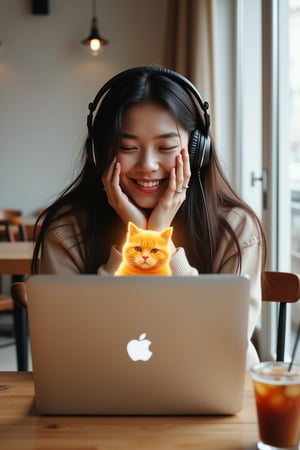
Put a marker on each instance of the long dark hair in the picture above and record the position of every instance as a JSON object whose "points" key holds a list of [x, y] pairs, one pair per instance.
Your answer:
{"points": [[199, 225]]}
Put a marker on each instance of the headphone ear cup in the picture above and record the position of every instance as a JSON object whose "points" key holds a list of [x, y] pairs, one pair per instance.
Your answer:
{"points": [[199, 150]]}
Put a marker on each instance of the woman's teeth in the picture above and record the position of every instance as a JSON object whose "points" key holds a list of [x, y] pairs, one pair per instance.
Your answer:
{"points": [[148, 184]]}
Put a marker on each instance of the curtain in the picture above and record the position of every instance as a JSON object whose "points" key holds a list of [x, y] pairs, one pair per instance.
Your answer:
{"points": [[189, 47]]}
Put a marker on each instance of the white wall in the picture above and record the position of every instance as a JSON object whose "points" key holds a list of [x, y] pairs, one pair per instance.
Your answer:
{"points": [[47, 79]]}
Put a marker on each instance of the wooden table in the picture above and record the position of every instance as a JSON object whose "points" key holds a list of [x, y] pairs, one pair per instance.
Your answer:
{"points": [[21, 427], [15, 258]]}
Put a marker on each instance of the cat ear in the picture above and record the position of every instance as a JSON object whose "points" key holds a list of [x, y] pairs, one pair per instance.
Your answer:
{"points": [[132, 229], [167, 233]]}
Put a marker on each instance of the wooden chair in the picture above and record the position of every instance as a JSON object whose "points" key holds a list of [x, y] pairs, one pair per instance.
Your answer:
{"points": [[11, 225], [11, 229], [19, 298], [6, 302], [282, 287]]}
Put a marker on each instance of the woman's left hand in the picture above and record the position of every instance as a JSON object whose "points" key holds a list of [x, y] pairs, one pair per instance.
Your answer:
{"points": [[170, 202]]}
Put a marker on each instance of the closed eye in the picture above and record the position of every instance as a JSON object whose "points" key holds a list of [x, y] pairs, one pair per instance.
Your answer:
{"points": [[168, 148], [127, 148]]}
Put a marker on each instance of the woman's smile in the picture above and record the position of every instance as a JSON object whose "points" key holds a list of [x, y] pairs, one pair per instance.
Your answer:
{"points": [[149, 186]]}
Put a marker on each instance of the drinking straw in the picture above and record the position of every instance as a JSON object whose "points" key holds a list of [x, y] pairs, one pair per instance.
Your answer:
{"points": [[295, 347]]}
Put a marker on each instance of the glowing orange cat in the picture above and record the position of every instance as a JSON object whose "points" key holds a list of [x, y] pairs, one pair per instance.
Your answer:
{"points": [[145, 252]]}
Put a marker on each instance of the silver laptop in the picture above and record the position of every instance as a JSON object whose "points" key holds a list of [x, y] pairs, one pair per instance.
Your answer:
{"points": [[138, 345]]}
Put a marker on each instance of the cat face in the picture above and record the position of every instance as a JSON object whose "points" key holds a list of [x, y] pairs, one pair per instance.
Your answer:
{"points": [[146, 249]]}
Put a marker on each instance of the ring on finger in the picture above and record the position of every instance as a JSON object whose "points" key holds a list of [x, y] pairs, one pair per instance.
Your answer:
{"points": [[178, 191], [186, 186]]}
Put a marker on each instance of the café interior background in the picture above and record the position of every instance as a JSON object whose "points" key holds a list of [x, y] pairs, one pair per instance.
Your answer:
{"points": [[47, 79]]}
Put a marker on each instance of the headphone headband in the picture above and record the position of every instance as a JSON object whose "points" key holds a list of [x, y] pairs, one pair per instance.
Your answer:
{"points": [[200, 147]]}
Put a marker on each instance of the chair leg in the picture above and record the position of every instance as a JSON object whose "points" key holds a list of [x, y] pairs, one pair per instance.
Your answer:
{"points": [[21, 332], [21, 335], [281, 332]]}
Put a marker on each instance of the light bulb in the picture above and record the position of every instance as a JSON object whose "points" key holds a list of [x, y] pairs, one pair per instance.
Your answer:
{"points": [[95, 46]]}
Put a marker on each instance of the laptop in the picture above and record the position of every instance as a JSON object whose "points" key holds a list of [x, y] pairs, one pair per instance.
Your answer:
{"points": [[138, 345]]}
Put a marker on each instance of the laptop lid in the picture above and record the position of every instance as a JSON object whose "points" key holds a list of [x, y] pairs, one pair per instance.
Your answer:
{"points": [[138, 345]]}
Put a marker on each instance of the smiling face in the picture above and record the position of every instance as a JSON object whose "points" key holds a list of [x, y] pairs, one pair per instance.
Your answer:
{"points": [[150, 141]]}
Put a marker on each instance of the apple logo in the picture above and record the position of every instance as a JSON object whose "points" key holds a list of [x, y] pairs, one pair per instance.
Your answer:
{"points": [[138, 349]]}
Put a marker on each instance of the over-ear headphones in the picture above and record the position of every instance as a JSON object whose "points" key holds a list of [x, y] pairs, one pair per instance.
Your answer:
{"points": [[199, 143]]}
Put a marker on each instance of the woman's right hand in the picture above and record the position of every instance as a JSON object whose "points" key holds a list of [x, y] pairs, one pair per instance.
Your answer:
{"points": [[118, 200]]}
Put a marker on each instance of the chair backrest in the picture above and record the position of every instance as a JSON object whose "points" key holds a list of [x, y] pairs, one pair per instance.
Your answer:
{"points": [[19, 294], [282, 287], [9, 220], [6, 303]]}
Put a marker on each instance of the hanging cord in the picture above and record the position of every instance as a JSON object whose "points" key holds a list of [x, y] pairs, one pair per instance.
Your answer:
{"points": [[207, 222], [94, 8]]}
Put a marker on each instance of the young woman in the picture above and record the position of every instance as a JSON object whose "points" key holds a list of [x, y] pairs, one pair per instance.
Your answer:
{"points": [[149, 159]]}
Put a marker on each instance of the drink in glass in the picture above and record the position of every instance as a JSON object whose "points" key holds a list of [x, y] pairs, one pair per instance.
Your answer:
{"points": [[277, 394]]}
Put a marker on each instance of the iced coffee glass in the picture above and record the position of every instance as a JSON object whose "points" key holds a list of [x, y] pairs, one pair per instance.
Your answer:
{"points": [[277, 394]]}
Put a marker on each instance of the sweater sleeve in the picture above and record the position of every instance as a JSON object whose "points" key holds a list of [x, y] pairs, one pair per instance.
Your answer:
{"points": [[62, 252], [226, 261]]}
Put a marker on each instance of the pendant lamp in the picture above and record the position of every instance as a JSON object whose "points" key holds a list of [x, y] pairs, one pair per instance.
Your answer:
{"points": [[95, 41]]}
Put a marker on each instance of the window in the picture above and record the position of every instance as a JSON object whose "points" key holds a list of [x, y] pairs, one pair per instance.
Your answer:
{"points": [[281, 149], [270, 140], [294, 138]]}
